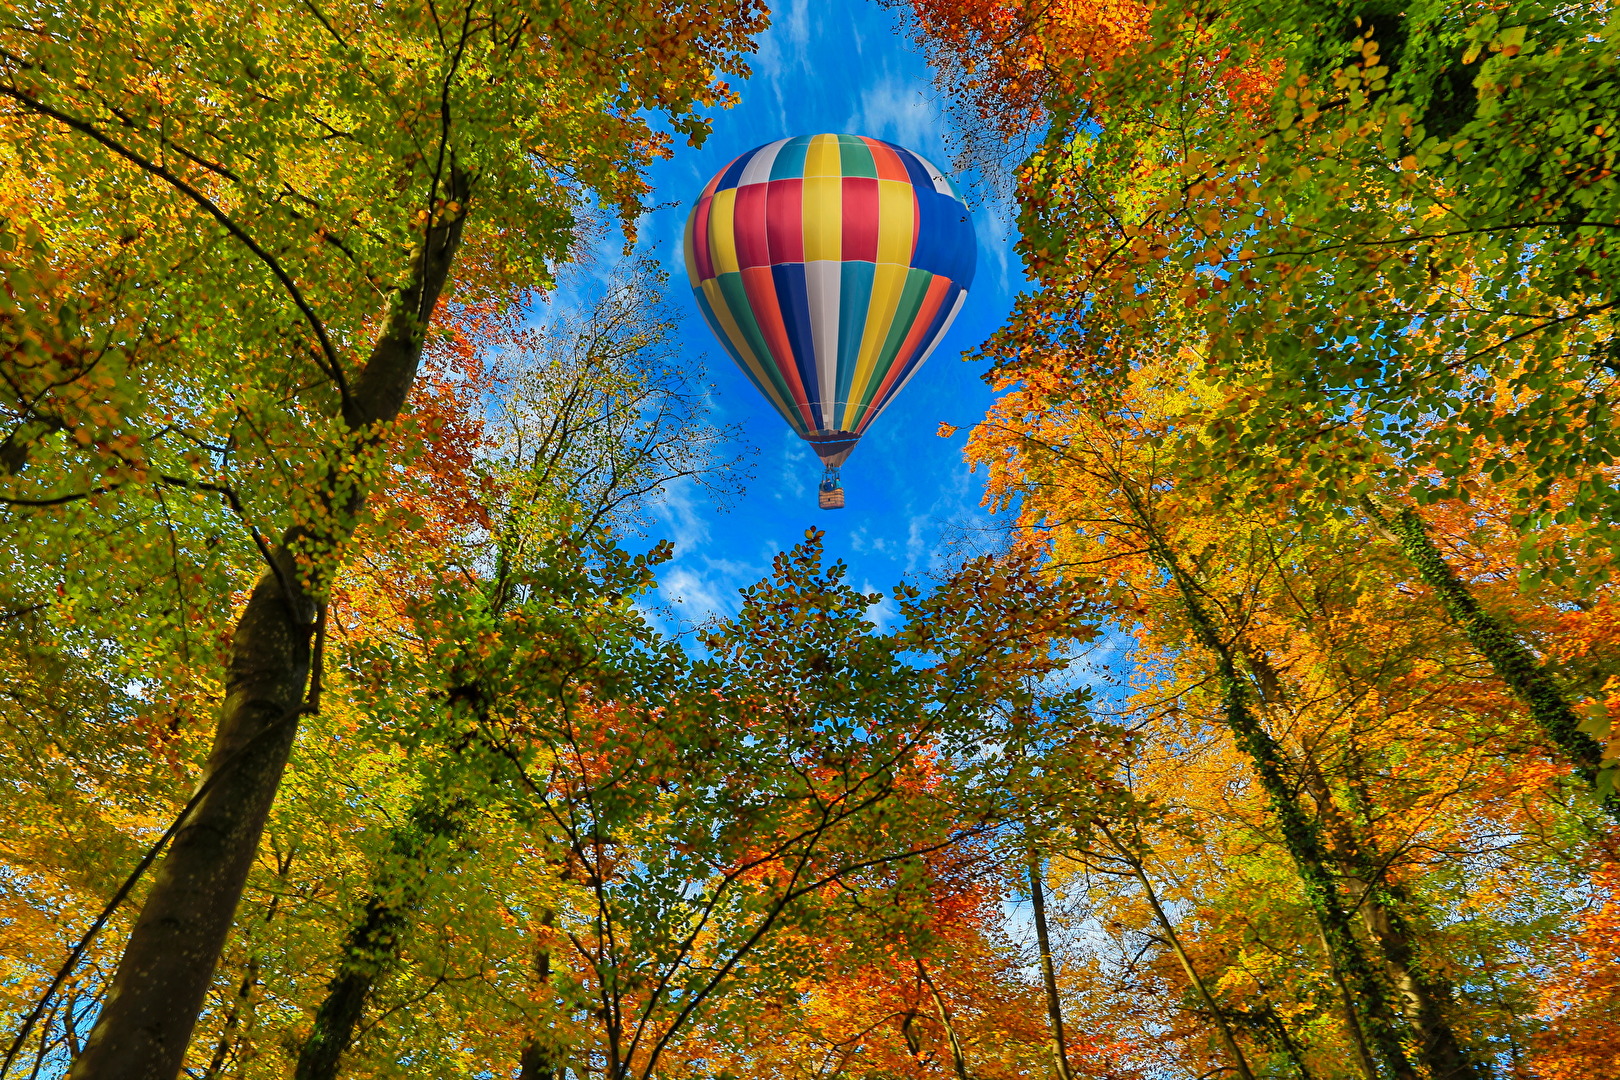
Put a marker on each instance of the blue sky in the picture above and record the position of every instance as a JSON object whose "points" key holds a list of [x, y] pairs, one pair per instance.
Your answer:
{"points": [[829, 66]]}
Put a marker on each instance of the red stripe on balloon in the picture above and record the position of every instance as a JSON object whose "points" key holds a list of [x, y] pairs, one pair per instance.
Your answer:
{"points": [[935, 296], [700, 239], [748, 227], [784, 220], [860, 219], [760, 286], [889, 165]]}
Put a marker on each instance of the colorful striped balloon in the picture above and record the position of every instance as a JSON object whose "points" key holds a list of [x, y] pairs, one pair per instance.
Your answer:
{"points": [[830, 266]]}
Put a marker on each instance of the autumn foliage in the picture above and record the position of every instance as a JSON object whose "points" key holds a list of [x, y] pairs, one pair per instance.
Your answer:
{"points": [[342, 736]]}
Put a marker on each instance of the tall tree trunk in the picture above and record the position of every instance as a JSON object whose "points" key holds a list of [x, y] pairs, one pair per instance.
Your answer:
{"points": [[1354, 1021], [1054, 1005], [168, 964], [245, 990], [1425, 998], [958, 1058], [374, 942], [538, 1062], [1239, 1061], [1508, 656], [1366, 1001]]}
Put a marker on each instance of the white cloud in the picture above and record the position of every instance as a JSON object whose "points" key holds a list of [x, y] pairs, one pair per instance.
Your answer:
{"points": [[686, 513], [993, 230], [798, 472], [918, 548], [862, 540], [882, 612], [796, 22], [697, 590], [783, 51], [898, 111], [700, 597]]}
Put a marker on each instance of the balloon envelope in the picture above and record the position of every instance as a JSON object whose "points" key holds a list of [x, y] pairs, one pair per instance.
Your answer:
{"points": [[830, 266]]}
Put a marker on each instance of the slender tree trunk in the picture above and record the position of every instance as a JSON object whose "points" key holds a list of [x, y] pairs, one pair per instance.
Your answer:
{"points": [[1353, 1020], [1238, 1059], [233, 1019], [1054, 1005], [1425, 998], [168, 964], [1290, 1047], [1508, 656], [1364, 995], [958, 1058], [537, 1062], [367, 953], [373, 944]]}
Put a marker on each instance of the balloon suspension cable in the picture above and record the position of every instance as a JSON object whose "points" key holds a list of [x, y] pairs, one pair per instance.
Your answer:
{"points": [[830, 480]]}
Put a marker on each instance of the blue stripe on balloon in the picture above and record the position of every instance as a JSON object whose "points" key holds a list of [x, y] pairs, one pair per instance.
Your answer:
{"points": [[944, 238], [921, 178], [789, 163], [944, 312], [793, 301], [854, 298], [959, 242], [733, 173]]}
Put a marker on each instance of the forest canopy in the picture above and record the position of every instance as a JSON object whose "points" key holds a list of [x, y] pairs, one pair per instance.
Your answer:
{"points": [[341, 737]]}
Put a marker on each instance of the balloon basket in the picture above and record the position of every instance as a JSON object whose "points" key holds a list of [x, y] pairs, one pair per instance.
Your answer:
{"points": [[830, 493]]}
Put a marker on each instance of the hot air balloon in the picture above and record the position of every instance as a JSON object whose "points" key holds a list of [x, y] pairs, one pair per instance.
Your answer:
{"points": [[829, 266]]}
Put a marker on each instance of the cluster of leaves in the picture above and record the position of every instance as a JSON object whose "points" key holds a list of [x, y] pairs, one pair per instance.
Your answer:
{"points": [[1312, 386], [524, 831], [228, 232]]}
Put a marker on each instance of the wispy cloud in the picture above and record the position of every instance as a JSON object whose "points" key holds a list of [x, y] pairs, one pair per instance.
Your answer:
{"points": [[899, 111], [795, 23], [993, 230], [700, 595], [884, 611], [783, 56], [797, 469], [685, 513]]}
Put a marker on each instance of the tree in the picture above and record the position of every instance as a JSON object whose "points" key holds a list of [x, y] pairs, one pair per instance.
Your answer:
{"points": [[238, 226], [595, 423], [1382, 727]]}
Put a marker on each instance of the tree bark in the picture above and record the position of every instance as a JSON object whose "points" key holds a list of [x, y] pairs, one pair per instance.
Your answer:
{"points": [[168, 964], [1424, 997], [958, 1058], [1369, 1010], [374, 942], [537, 1061], [1508, 656], [1054, 1005]]}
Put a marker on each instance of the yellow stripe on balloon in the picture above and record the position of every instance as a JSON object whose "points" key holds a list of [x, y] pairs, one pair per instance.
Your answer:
{"points": [[687, 251], [823, 217], [823, 157], [739, 341], [897, 221], [722, 232], [888, 282]]}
